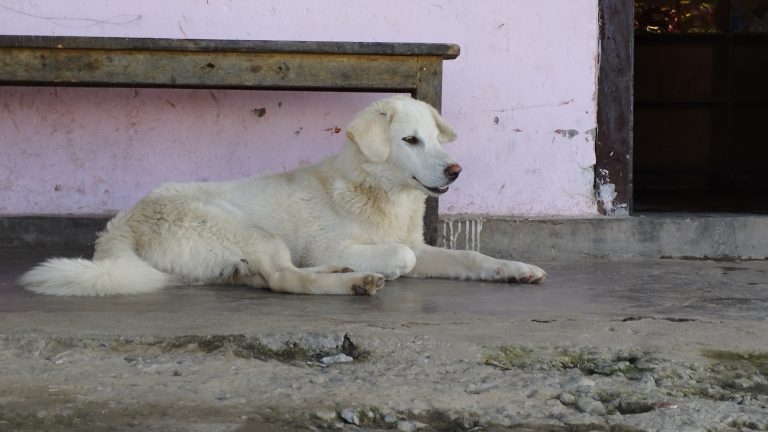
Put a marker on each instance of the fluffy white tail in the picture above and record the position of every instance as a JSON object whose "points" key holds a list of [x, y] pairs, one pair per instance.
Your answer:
{"points": [[116, 269]]}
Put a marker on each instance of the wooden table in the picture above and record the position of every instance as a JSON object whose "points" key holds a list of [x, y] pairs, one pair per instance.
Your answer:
{"points": [[414, 68]]}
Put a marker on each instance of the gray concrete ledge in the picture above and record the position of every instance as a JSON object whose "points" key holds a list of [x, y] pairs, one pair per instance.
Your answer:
{"points": [[684, 236], [720, 237]]}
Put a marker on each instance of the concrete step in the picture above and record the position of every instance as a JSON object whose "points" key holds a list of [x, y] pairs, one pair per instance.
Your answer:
{"points": [[680, 236], [693, 236]]}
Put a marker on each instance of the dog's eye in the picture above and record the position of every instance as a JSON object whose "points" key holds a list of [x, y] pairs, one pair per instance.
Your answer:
{"points": [[411, 140]]}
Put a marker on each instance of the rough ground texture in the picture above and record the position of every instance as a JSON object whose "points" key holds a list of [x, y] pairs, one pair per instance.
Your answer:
{"points": [[658, 345]]}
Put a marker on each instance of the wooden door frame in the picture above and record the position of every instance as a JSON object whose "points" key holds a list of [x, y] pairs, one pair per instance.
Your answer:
{"points": [[613, 147]]}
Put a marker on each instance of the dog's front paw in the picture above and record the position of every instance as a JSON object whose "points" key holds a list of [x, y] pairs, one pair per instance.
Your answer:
{"points": [[527, 274], [368, 285]]}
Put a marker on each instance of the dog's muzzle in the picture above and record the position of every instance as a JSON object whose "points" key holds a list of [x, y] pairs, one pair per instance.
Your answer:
{"points": [[451, 173]]}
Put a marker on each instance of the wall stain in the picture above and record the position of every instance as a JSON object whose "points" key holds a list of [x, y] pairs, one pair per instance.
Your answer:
{"points": [[591, 135], [460, 233], [568, 133], [259, 112]]}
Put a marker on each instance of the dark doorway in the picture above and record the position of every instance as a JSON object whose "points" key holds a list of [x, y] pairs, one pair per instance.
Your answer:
{"points": [[700, 105]]}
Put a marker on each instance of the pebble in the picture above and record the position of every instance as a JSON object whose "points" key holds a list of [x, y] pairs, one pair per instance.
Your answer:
{"points": [[577, 382], [590, 406], [350, 416], [477, 389], [742, 383], [390, 418], [409, 426], [338, 358], [326, 415], [567, 398]]}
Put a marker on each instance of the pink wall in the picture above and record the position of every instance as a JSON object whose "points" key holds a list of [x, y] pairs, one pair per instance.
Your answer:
{"points": [[521, 96]]}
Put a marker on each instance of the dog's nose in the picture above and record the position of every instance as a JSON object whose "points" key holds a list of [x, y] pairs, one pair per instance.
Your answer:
{"points": [[453, 171]]}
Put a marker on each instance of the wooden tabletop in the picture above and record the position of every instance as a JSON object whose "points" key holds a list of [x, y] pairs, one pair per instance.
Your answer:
{"points": [[445, 51]]}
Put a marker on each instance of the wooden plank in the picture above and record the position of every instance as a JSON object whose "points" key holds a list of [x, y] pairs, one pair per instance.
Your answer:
{"points": [[79, 67], [445, 51]]}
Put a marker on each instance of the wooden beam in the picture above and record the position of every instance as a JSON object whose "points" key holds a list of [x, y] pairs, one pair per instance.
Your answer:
{"points": [[613, 147], [180, 69]]}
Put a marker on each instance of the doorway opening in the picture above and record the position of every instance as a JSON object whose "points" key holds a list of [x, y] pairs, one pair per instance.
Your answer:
{"points": [[700, 123]]}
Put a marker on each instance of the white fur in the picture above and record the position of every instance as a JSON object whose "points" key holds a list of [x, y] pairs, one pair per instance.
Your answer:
{"points": [[361, 209]]}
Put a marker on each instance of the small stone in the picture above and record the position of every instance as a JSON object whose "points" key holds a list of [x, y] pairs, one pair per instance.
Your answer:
{"points": [[326, 415], [567, 398], [338, 358], [350, 416], [741, 383], [390, 418], [481, 388], [409, 426], [590, 406], [578, 382]]}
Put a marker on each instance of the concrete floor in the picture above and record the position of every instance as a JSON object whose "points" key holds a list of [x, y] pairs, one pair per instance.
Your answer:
{"points": [[673, 308]]}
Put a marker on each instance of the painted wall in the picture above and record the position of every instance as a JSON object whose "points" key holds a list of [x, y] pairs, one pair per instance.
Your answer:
{"points": [[521, 96]]}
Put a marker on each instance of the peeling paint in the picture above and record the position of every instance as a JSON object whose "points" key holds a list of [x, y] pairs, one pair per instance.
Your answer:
{"points": [[568, 133], [605, 192], [460, 233]]}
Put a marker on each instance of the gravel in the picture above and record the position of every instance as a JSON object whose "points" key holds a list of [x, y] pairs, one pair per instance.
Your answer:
{"points": [[409, 383]]}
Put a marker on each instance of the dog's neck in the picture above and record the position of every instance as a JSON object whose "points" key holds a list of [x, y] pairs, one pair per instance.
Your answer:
{"points": [[361, 187]]}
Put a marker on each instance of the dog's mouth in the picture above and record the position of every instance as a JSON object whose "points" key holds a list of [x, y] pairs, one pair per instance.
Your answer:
{"points": [[434, 190]]}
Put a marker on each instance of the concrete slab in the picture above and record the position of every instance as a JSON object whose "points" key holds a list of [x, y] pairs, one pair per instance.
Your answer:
{"points": [[653, 235], [601, 345]]}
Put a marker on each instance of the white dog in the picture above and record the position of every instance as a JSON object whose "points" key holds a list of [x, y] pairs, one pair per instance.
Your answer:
{"points": [[298, 232]]}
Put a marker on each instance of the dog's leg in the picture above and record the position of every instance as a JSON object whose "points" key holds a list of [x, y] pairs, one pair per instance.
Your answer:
{"points": [[327, 269], [390, 260], [269, 257], [433, 262]]}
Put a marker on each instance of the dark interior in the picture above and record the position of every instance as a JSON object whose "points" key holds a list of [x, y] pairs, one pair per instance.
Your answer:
{"points": [[701, 106]]}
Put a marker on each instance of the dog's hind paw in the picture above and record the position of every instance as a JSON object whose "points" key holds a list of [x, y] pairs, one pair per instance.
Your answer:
{"points": [[370, 284]]}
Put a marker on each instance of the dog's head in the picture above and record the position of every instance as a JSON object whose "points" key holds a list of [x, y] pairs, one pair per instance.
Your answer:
{"points": [[401, 139]]}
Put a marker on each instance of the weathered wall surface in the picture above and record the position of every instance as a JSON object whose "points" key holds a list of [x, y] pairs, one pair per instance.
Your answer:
{"points": [[521, 95]]}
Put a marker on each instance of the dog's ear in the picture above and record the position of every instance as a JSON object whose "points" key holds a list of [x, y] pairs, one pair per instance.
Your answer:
{"points": [[445, 130], [370, 131]]}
